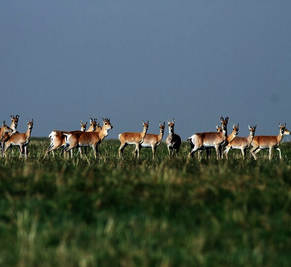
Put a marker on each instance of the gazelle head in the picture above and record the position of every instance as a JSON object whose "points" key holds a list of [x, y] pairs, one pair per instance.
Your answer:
{"points": [[252, 130], [107, 124], [171, 125], [235, 129], [283, 129], [218, 129], [224, 123], [145, 126], [14, 121], [30, 124], [162, 127], [94, 125], [83, 126]]}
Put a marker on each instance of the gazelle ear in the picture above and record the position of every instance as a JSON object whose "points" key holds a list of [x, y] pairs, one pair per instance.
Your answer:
{"points": [[227, 118]]}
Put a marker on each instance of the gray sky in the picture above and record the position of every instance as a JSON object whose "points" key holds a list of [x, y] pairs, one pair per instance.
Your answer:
{"points": [[130, 60]]}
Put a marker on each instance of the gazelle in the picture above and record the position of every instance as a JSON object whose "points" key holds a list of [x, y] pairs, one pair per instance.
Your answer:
{"points": [[241, 143], [58, 139], [173, 140], [13, 126], [3, 130], [129, 138], [94, 127], [85, 139], [20, 139], [201, 141], [229, 138], [269, 142], [152, 140]]}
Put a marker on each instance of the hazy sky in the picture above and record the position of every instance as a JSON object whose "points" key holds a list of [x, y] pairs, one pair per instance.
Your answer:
{"points": [[130, 60]]}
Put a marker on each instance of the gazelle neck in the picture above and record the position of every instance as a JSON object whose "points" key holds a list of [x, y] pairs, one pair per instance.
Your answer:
{"points": [[230, 137], [143, 134], [28, 132], [161, 135], [250, 137], [280, 137], [13, 126], [103, 132], [224, 134]]}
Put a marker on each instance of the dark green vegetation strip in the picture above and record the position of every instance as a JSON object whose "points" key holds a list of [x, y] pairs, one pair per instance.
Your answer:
{"points": [[109, 212]]}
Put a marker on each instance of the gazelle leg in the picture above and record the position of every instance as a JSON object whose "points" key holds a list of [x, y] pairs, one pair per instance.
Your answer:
{"points": [[279, 150], [217, 148], [154, 151], [20, 151], [226, 152], [121, 148], [243, 152], [95, 150], [208, 152], [253, 152], [270, 153], [25, 151], [137, 151], [193, 150]]}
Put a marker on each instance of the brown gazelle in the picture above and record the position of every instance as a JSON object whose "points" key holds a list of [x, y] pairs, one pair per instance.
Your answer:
{"points": [[241, 143], [201, 141], [269, 142], [129, 138], [173, 140], [85, 139], [3, 130], [229, 138], [20, 139], [58, 139], [152, 140], [13, 126], [94, 127], [232, 136]]}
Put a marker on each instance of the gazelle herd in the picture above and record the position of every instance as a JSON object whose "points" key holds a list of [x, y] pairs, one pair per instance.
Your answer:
{"points": [[219, 140]]}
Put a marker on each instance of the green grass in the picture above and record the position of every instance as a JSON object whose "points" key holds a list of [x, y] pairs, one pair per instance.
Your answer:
{"points": [[163, 212]]}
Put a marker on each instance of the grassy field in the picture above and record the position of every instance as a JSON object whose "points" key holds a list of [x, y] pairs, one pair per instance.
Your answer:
{"points": [[163, 212]]}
